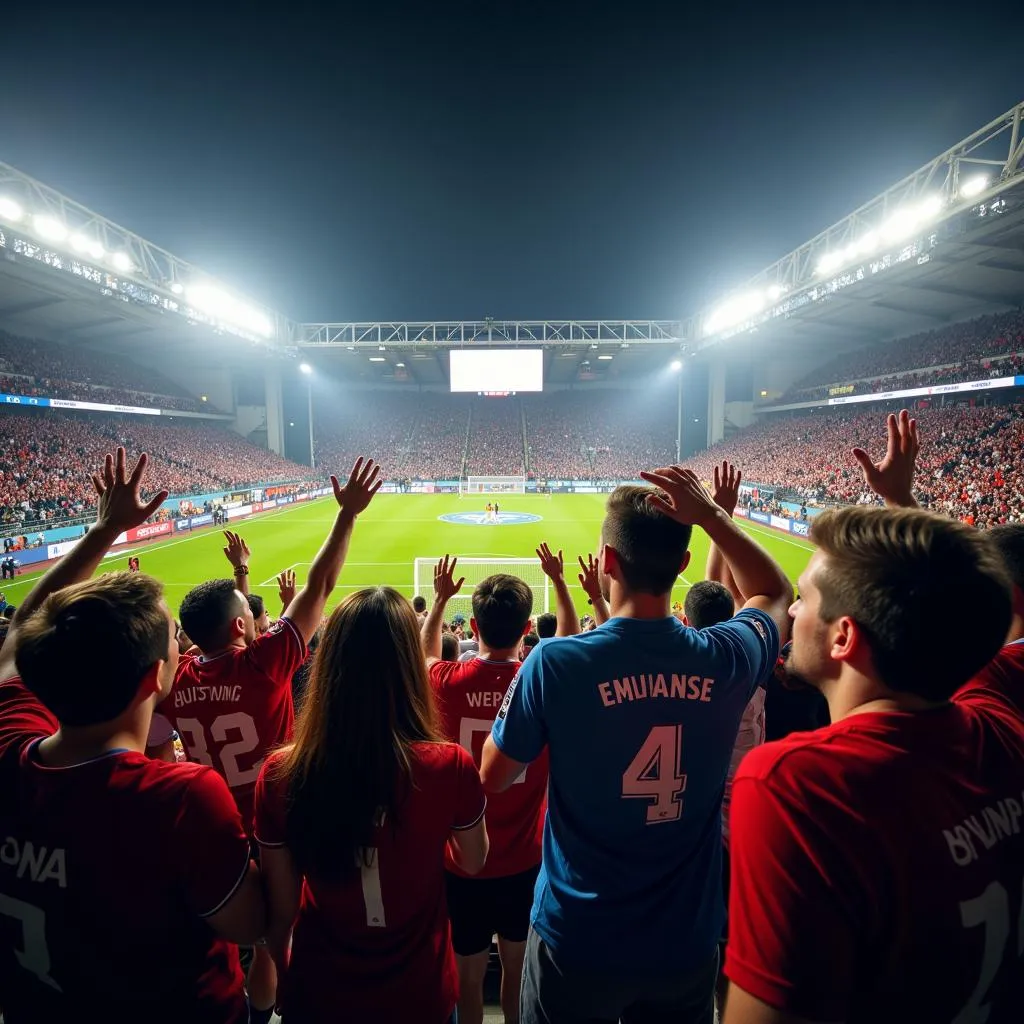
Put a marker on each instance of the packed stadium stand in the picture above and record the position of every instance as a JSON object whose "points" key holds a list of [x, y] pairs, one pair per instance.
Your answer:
{"points": [[30, 366], [45, 460], [988, 346]]}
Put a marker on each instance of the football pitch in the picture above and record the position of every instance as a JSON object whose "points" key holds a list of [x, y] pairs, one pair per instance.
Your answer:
{"points": [[394, 531]]}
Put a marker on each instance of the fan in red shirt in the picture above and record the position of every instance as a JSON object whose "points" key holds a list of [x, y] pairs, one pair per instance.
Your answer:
{"points": [[125, 883], [469, 694], [232, 702], [353, 822], [877, 862]]}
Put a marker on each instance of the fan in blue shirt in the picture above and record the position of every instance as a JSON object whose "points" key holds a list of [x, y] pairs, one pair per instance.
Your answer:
{"points": [[639, 717]]}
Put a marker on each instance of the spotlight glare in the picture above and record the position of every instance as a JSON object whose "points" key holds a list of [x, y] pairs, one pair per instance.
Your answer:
{"points": [[49, 228], [121, 262], [676, 365], [305, 368], [973, 185], [10, 210]]}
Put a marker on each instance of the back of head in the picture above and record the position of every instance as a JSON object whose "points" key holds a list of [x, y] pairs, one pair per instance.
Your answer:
{"points": [[501, 607], [256, 605], [650, 546], [368, 699], [207, 612], [419, 604], [449, 647], [707, 604], [547, 625], [1009, 542], [905, 575], [121, 615]]}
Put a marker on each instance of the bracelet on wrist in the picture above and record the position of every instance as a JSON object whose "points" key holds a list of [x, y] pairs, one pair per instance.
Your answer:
{"points": [[241, 570]]}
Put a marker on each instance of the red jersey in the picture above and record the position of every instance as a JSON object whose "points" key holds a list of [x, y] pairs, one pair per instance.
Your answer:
{"points": [[469, 695], [378, 942], [1004, 674], [107, 871], [232, 709], [877, 867]]}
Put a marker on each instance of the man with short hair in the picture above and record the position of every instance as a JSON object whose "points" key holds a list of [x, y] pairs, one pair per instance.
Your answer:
{"points": [[708, 603], [639, 717], [497, 900], [877, 861], [125, 882], [419, 606], [260, 618], [546, 625], [232, 703]]}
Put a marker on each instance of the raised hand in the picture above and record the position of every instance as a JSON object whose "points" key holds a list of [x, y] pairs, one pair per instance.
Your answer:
{"points": [[237, 552], [552, 565], [686, 499], [286, 587], [120, 504], [588, 577], [892, 479], [363, 483], [445, 585], [727, 487]]}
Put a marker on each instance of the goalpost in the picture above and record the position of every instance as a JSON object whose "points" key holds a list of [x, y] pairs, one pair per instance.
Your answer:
{"points": [[492, 485], [477, 569]]}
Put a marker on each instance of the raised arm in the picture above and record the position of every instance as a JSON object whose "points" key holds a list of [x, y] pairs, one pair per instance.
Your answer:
{"points": [[445, 588], [727, 495], [307, 609], [892, 479], [237, 553], [590, 581], [567, 621], [759, 578], [286, 589], [120, 508]]}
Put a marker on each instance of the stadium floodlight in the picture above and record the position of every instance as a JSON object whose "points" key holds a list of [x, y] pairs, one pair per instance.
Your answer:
{"points": [[400, 366], [89, 246], [676, 365], [377, 359], [305, 368], [177, 288], [212, 300], [776, 291], [736, 310], [973, 185], [122, 261], [49, 228], [10, 210], [604, 359]]}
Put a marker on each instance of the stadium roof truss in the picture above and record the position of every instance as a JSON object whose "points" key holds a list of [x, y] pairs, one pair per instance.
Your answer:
{"points": [[940, 245]]}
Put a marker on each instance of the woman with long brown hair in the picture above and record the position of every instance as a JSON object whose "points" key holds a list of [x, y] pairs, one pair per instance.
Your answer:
{"points": [[353, 820]]}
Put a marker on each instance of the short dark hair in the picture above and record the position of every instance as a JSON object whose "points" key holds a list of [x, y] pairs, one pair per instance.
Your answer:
{"points": [[501, 607], [206, 612], [449, 647], [256, 605], [531, 640], [707, 604], [419, 604], [8, 612], [546, 624], [121, 614], [897, 573], [1009, 542], [651, 547]]}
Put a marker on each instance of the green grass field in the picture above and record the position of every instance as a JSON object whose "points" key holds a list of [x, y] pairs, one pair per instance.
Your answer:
{"points": [[394, 531]]}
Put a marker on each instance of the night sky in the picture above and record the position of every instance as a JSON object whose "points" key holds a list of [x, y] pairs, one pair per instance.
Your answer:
{"points": [[441, 160]]}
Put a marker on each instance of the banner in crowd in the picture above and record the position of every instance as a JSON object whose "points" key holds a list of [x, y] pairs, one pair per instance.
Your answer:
{"points": [[938, 389], [66, 403]]}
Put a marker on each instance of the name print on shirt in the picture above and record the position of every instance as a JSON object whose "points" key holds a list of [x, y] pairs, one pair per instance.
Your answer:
{"points": [[647, 686], [207, 694]]}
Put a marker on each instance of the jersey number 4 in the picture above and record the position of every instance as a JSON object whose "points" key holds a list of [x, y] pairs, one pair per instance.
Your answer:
{"points": [[194, 738], [656, 774]]}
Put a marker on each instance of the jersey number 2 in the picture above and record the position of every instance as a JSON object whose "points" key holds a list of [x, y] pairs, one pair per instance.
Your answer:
{"points": [[248, 740], [34, 956], [656, 774]]}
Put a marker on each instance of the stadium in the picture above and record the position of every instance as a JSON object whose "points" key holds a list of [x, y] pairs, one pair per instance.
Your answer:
{"points": [[493, 436]]}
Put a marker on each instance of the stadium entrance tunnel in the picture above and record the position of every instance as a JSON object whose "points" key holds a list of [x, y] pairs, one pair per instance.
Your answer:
{"points": [[482, 519]]}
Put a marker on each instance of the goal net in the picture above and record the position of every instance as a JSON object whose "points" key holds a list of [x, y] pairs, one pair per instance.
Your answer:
{"points": [[493, 485], [477, 569]]}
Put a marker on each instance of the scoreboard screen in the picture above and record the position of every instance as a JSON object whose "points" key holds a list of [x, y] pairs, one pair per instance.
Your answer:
{"points": [[496, 371]]}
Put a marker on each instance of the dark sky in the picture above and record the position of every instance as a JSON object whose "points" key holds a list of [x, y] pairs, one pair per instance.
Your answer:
{"points": [[514, 159]]}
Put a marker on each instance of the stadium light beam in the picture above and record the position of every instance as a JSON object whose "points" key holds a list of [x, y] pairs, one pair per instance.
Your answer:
{"points": [[10, 210], [305, 368], [49, 228], [121, 262], [676, 365], [974, 185]]}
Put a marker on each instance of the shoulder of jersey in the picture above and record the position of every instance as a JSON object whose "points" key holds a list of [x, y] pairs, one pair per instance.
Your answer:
{"points": [[778, 756]]}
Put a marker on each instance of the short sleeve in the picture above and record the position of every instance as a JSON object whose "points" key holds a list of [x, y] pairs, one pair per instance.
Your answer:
{"points": [[441, 674], [470, 802], [753, 639], [792, 908], [279, 652], [271, 805], [519, 730], [22, 716], [211, 847], [160, 731]]}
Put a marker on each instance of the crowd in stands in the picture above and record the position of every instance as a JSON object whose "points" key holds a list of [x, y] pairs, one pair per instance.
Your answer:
{"points": [[971, 470], [29, 366], [988, 346], [43, 454], [495, 445]]}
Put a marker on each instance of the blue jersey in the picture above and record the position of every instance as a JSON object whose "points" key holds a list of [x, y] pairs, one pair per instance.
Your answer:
{"points": [[639, 717]]}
